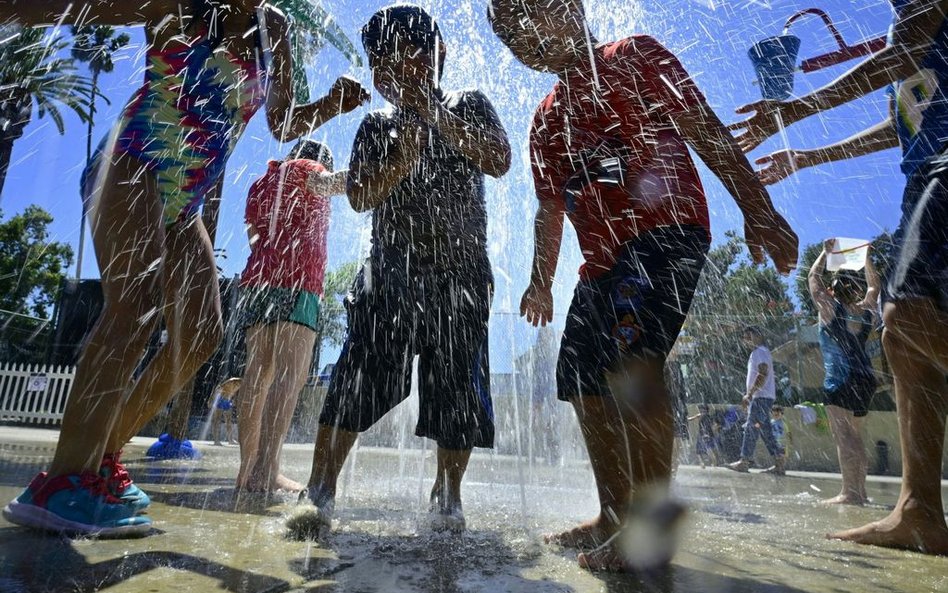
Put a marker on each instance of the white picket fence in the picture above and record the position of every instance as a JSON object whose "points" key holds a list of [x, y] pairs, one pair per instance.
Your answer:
{"points": [[34, 393]]}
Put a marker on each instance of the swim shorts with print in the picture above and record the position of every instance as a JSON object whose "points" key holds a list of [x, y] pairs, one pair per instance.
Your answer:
{"points": [[635, 309]]}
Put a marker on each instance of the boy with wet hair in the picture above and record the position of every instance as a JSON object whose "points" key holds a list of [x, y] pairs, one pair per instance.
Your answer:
{"points": [[426, 287], [610, 151]]}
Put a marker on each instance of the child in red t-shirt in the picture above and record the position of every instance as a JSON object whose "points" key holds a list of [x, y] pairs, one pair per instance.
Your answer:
{"points": [[287, 219], [609, 148]]}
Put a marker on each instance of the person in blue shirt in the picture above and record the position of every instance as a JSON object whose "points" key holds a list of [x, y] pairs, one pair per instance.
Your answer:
{"points": [[779, 427], [915, 64], [846, 320]]}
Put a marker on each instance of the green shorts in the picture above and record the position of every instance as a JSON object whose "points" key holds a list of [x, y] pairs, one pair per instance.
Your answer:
{"points": [[264, 305]]}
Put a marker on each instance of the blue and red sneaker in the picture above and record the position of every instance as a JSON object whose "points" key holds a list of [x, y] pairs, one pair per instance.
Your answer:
{"points": [[120, 484], [74, 504]]}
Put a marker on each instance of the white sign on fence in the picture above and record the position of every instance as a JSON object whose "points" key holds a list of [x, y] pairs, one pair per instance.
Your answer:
{"points": [[34, 393], [37, 383]]}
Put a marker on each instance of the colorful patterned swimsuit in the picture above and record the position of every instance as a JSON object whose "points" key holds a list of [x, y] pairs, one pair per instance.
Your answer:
{"points": [[184, 122]]}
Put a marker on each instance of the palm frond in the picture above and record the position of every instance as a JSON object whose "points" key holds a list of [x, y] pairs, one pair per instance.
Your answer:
{"points": [[29, 66], [311, 26]]}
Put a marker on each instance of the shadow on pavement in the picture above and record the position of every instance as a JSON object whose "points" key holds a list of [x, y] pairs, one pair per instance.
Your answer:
{"points": [[34, 563], [424, 562]]}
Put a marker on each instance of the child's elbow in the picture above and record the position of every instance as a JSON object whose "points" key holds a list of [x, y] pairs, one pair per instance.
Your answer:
{"points": [[498, 164], [278, 121], [358, 195]]}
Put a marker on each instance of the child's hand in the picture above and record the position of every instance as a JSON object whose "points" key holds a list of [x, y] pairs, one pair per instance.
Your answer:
{"points": [[420, 98], [771, 234], [779, 165], [758, 127], [348, 94], [537, 305]]}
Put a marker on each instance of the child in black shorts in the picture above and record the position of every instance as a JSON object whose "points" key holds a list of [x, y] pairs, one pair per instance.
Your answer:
{"points": [[427, 286]]}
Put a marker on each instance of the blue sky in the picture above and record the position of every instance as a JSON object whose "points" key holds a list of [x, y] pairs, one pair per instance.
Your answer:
{"points": [[858, 198]]}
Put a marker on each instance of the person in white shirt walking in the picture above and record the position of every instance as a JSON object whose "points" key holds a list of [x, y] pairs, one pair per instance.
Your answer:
{"points": [[759, 398]]}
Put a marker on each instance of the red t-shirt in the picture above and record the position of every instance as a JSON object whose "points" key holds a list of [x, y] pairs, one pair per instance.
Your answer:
{"points": [[605, 146], [291, 223]]}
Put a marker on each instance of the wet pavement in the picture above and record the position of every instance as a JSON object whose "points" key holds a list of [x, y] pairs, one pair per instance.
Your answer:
{"points": [[745, 533]]}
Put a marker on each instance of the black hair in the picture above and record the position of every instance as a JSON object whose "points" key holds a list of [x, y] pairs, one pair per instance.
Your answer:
{"points": [[850, 281], [777, 409], [578, 4], [752, 330], [313, 151], [402, 24]]}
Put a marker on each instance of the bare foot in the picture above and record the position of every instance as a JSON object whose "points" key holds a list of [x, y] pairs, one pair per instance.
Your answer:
{"points": [[905, 529], [609, 558], [606, 558], [589, 535], [285, 484], [846, 499]]}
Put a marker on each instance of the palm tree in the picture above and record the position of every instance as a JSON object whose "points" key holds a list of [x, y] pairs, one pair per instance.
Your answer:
{"points": [[30, 71], [94, 45]]}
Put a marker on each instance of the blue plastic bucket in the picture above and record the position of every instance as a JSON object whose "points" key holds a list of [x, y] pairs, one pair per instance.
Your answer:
{"points": [[775, 60]]}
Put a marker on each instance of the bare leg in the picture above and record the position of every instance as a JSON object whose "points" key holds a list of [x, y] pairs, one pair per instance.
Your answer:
{"points": [[446, 492], [604, 436], [916, 349], [261, 354], [646, 444], [216, 421], [853, 462], [127, 231], [292, 364], [192, 313], [629, 441], [332, 448], [229, 426]]}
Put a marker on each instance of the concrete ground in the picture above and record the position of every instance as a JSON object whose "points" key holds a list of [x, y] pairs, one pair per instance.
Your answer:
{"points": [[744, 534]]}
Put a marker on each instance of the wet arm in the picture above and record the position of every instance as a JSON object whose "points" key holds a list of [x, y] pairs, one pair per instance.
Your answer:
{"points": [[818, 291], [547, 237], [873, 283], [759, 380], [911, 39], [708, 137], [286, 120], [881, 136], [379, 163], [328, 184], [253, 236], [480, 137]]}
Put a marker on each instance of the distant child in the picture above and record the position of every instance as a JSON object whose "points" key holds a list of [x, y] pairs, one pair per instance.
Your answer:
{"points": [[706, 446], [222, 410], [610, 151], [780, 430]]}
